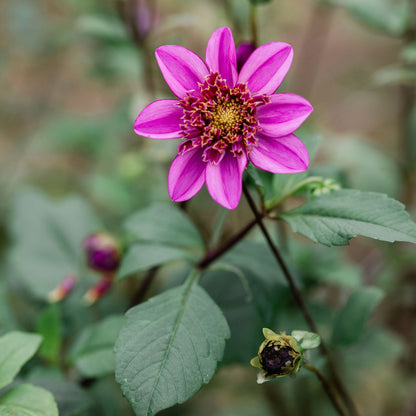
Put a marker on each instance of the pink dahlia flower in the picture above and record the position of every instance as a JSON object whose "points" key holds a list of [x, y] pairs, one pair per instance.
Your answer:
{"points": [[226, 118]]}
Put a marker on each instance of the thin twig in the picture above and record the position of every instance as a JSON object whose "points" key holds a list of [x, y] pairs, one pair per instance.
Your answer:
{"points": [[302, 306], [328, 389]]}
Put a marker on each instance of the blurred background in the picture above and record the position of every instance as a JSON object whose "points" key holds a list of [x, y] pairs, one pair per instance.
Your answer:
{"points": [[74, 74]]}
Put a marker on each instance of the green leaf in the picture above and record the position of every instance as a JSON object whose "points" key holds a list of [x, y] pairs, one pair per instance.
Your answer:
{"points": [[259, 1], [102, 27], [391, 16], [275, 187], [28, 400], [307, 340], [395, 76], [93, 353], [15, 349], [350, 323], [71, 399], [169, 347], [363, 163], [318, 264], [165, 224], [141, 257], [49, 327], [335, 218], [48, 236]]}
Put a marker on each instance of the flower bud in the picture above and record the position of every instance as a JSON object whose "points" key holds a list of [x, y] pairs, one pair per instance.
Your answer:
{"points": [[244, 50], [63, 290], [97, 291], [279, 355], [324, 187], [103, 252]]}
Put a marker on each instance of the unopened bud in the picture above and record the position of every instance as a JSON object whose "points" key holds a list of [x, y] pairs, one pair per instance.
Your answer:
{"points": [[103, 252], [279, 355], [63, 290], [97, 291], [325, 187], [244, 50]]}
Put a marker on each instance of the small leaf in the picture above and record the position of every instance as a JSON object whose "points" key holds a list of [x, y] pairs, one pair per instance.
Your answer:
{"points": [[307, 340], [335, 218], [349, 325], [141, 257], [168, 348], [165, 224], [48, 326], [28, 400], [93, 353], [15, 349]]}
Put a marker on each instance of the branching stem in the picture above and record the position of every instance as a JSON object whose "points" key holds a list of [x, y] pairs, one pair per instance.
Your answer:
{"points": [[338, 384]]}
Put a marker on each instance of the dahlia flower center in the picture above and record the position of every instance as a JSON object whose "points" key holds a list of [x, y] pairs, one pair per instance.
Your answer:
{"points": [[220, 119], [226, 117]]}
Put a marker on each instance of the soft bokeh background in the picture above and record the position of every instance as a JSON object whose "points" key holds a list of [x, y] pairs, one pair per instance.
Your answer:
{"points": [[74, 74]]}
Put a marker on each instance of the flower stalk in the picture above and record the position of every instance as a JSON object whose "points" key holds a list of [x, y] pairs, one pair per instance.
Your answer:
{"points": [[338, 384]]}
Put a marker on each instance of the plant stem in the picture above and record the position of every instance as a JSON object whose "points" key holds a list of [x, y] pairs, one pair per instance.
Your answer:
{"points": [[253, 24], [211, 256], [302, 306], [328, 389], [407, 112]]}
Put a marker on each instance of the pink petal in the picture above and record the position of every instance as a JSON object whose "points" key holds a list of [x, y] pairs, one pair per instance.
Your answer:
{"points": [[283, 115], [221, 56], [181, 68], [280, 155], [160, 120], [266, 67], [186, 175], [224, 181]]}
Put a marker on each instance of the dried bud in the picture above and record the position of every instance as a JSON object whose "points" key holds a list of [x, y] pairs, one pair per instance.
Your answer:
{"points": [[103, 252], [244, 50], [279, 355], [63, 290], [97, 291]]}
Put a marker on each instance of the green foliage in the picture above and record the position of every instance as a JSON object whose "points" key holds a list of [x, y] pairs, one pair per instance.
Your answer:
{"points": [[49, 327], [169, 347], [160, 233], [92, 352], [28, 400], [165, 224], [391, 16], [317, 264], [71, 399], [15, 349], [48, 239], [259, 1], [143, 256], [363, 163], [350, 322], [278, 187], [335, 218]]}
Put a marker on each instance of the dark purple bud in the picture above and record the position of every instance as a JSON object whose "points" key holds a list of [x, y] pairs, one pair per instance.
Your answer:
{"points": [[103, 252], [144, 18], [244, 50]]}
